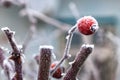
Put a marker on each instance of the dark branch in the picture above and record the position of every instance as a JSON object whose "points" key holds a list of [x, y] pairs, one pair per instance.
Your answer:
{"points": [[78, 62], [45, 62], [16, 54]]}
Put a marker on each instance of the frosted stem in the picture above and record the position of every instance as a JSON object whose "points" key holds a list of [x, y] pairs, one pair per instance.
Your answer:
{"points": [[67, 48], [16, 54]]}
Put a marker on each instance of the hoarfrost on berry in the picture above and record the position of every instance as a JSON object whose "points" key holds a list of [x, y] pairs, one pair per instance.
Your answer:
{"points": [[87, 25]]}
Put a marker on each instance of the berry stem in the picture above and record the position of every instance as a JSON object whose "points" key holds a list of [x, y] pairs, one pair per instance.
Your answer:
{"points": [[78, 62], [44, 64], [67, 48], [16, 54]]}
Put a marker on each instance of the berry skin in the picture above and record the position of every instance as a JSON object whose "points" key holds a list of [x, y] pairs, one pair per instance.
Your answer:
{"points": [[58, 72], [87, 25]]}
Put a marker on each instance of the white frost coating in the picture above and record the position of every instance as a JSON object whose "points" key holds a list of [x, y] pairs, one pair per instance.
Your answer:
{"points": [[46, 46], [72, 29], [69, 55], [5, 49], [88, 45], [2, 72], [19, 46], [77, 79], [88, 17], [5, 28], [53, 55], [2, 47], [67, 37], [23, 58], [70, 63], [13, 32], [6, 63], [63, 74], [95, 26]]}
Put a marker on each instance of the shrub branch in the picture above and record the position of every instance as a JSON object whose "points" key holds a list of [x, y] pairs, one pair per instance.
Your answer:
{"points": [[45, 62], [78, 62], [16, 54]]}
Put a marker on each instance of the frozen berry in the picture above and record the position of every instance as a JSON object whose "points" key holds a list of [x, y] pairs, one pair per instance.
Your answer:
{"points": [[87, 25], [58, 72]]}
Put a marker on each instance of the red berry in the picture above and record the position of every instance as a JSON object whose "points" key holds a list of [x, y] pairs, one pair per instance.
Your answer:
{"points": [[87, 25], [58, 72]]}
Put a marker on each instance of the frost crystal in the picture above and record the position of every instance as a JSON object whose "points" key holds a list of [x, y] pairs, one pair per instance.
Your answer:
{"points": [[72, 29], [53, 55], [88, 45], [69, 55], [88, 17], [63, 74], [5, 28], [23, 58], [19, 46], [67, 37], [70, 63], [46, 46], [8, 64]]}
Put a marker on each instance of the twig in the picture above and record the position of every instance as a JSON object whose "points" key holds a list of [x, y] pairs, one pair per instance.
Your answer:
{"points": [[33, 16], [78, 62], [74, 10], [2, 57], [8, 67], [45, 61], [5, 64], [67, 48], [29, 37], [16, 54], [32, 28], [60, 25], [30, 13], [5, 68]]}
